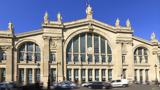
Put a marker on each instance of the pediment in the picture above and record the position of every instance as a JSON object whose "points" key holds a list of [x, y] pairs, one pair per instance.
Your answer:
{"points": [[84, 22]]}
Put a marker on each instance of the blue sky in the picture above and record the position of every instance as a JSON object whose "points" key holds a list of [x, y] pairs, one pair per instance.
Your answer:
{"points": [[27, 15]]}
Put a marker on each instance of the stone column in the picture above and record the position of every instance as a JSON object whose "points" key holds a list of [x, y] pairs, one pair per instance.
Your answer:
{"points": [[45, 61], [25, 76], [9, 65], [93, 58], [33, 75], [80, 76], [93, 74], [106, 74], [144, 76], [100, 74], [86, 74], [72, 74], [138, 75]]}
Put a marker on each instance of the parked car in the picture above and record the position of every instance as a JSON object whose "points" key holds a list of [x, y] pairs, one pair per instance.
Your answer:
{"points": [[62, 85], [86, 84], [107, 85], [66, 84], [120, 83], [72, 84], [6, 86], [99, 85]]}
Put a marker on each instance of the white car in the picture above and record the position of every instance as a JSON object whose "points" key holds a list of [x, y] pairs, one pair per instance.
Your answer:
{"points": [[120, 83], [86, 84]]}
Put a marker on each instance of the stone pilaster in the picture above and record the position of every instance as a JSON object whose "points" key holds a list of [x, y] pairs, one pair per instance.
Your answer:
{"points": [[45, 61], [9, 65], [130, 61], [59, 59]]}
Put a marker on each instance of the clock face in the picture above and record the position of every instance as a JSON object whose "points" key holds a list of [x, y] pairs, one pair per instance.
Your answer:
{"points": [[89, 50]]}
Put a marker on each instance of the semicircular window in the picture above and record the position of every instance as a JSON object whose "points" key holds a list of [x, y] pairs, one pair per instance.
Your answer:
{"points": [[141, 55], [29, 51], [88, 47]]}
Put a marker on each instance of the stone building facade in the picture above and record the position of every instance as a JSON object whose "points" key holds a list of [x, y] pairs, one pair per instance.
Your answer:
{"points": [[80, 51]]}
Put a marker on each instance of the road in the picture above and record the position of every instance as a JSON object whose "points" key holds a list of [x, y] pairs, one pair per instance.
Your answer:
{"points": [[132, 87]]}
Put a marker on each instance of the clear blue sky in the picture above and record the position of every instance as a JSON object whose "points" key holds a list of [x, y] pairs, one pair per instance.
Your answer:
{"points": [[27, 15]]}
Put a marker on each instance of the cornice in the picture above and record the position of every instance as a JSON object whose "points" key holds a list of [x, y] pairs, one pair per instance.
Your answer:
{"points": [[142, 40], [31, 33]]}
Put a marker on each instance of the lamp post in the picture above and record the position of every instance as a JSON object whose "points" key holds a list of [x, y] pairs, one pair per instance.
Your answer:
{"points": [[156, 80]]}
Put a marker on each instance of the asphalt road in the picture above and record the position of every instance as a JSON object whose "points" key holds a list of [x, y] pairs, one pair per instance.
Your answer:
{"points": [[132, 87]]}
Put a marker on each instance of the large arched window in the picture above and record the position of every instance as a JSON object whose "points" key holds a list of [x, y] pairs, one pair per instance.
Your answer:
{"points": [[3, 55], [141, 55], [88, 47], [29, 51]]}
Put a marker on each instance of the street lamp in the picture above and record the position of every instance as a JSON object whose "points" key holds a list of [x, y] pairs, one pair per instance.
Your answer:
{"points": [[156, 80]]}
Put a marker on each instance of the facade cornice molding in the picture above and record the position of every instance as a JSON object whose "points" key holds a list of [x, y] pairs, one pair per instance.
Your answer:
{"points": [[31, 33], [97, 23], [5, 47], [53, 24], [6, 33], [142, 40]]}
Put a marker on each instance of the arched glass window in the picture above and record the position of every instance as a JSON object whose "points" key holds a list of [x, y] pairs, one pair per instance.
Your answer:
{"points": [[88, 47], [141, 55], [29, 51], [3, 55]]}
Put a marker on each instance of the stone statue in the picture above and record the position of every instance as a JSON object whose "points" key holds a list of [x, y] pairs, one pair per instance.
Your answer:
{"points": [[10, 25], [89, 11], [46, 18], [153, 36], [117, 22], [59, 17], [128, 24]]}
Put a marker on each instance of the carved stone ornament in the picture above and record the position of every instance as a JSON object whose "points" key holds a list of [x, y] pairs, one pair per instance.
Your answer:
{"points": [[46, 37], [124, 41], [53, 44], [4, 48]]}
